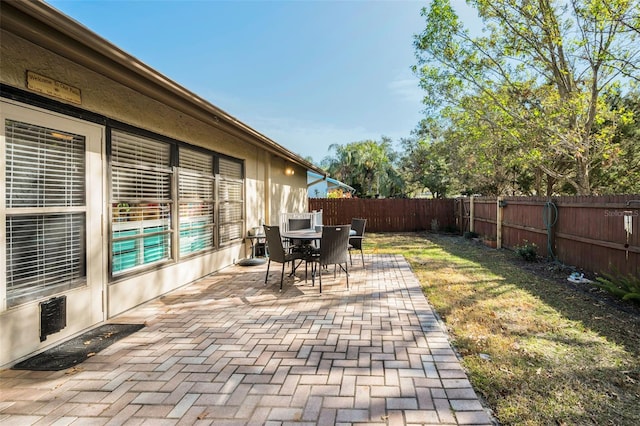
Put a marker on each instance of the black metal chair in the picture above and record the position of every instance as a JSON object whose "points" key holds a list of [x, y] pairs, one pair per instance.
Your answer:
{"points": [[297, 224], [277, 252], [334, 249], [355, 241]]}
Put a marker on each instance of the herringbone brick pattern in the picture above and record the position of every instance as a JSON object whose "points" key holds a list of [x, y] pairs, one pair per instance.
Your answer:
{"points": [[228, 350]]}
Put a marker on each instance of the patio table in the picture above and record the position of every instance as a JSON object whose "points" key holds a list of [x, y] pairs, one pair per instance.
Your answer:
{"points": [[302, 234], [307, 234]]}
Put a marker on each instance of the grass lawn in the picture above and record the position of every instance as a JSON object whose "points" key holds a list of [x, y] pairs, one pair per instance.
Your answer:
{"points": [[538, 351]]}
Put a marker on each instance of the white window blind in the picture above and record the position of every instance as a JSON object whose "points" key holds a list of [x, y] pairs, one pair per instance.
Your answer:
{"points": [[45, 168], [196, 204], [230, 193], [141, 197], [45, 255], [141, 168], [231, 169]]}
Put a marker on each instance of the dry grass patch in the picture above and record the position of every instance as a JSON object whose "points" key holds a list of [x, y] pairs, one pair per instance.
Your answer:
{"points": [[538, 351]]}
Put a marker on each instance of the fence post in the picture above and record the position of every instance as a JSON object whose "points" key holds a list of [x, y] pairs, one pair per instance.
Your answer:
{"points": [[499, 206], [471, 227]]}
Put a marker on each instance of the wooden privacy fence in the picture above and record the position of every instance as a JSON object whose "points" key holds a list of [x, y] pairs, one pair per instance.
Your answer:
{"points": [[387, 215], [598, 234], [592, 233]]}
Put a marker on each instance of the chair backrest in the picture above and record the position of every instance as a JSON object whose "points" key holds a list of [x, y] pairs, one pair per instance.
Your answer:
{"points": [[334, 246], [274, 243], [314, 217], [358, 225], [296, 224]]}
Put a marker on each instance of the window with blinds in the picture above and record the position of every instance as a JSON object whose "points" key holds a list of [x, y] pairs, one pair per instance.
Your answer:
{"points": [[231, 199], [141, 200], [196, 201], [145, 193], [45, 211]]}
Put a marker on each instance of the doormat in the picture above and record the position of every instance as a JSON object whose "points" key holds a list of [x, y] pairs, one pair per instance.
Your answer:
{"points": [[73, 352]]}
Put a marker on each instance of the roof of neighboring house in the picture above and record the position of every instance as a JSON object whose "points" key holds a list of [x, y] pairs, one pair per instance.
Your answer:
{"points": [[317, 178], [45, 26]]}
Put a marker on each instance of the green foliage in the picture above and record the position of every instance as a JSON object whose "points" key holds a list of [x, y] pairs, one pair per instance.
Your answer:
{"points": [[425, 166], [528, 251], [338, 193], [619, 172], [368, 166], [626, 287], [540, 102], [524, 100]]}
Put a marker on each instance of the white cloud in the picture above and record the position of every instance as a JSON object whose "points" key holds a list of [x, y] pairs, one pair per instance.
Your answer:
{"points": [[407, 89]]}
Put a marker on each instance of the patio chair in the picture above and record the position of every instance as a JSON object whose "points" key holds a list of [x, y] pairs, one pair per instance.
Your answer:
{"points": [[277, 252], [355, 241], [334, 248], [297, 224], [300, 246]]}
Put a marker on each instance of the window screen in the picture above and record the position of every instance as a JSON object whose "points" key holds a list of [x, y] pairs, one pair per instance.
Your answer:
{"points": [[230, 193], [45, 171], [196, 193], [141, 202]]}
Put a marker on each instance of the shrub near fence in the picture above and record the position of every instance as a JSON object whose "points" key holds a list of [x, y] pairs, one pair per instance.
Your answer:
{"points": [[586, 232], [387, 215]]}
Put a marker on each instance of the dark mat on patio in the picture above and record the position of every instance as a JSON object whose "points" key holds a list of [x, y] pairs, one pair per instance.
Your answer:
{"points": [[74, 351]]}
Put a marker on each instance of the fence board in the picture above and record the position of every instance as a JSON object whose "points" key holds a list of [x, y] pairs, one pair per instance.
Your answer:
{"points": [[387, 215], [588, 233]]}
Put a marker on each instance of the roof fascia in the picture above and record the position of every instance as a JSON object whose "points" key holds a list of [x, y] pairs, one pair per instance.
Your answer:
{"points": [[45, 26]]}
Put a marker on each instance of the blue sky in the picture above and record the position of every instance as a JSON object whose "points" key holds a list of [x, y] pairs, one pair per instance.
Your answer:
{"points": [[307, 74]]}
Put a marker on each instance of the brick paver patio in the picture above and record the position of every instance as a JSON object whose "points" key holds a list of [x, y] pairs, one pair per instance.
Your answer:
{"points": [[228, 350]]}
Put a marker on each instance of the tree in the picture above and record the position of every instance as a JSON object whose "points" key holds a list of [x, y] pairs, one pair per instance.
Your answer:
{"points": [[425, 166], [541, 68], [365, 165], [620, 173]]}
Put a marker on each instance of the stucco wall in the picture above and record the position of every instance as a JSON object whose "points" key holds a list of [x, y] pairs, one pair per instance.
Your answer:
{"points": [[268, 191], [287, 193], [103, 96]]}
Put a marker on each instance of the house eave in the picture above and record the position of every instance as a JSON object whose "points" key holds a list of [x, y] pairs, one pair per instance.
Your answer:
{"points": [[45, 26]]}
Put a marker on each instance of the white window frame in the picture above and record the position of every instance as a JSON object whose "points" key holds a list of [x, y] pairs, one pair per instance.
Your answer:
{"points": [[196, 202], [91, 284], [141, 203], [231, 204]]}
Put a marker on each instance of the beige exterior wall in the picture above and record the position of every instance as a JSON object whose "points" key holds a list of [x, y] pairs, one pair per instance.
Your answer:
{"points": [[268, 191], [102, 96], [288, 193]]}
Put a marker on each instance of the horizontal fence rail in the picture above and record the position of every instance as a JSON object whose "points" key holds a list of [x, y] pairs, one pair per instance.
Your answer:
{"points": [[594, 233]]}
